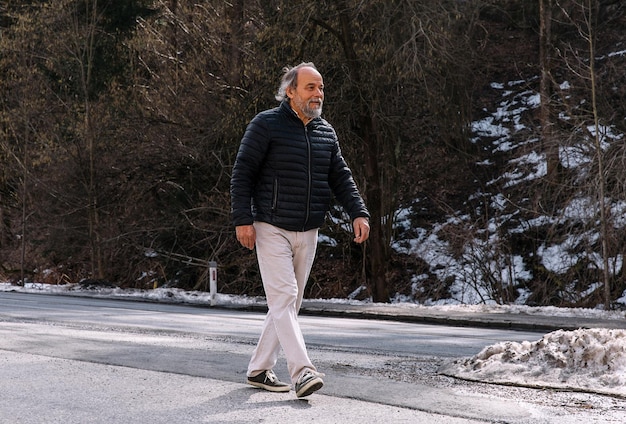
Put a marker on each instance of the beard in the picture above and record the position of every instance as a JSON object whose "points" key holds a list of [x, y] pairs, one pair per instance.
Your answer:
{"points": [[308, 108]]}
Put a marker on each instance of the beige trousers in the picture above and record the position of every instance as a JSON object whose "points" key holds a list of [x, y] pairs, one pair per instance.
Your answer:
{"points": [[285, 261]]}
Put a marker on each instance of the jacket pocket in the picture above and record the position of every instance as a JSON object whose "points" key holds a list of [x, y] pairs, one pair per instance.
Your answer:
{"points": [[275, 195]]}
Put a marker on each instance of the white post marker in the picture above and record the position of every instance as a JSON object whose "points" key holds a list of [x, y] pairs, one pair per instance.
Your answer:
{"points": [[212, 281]]}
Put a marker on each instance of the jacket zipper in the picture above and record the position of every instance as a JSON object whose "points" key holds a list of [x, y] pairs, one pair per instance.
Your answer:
{"points": [[275, 195], [310, 178]]}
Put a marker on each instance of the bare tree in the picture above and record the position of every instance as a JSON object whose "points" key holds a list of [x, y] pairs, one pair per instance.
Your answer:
{"points": [[582, 15], [20, 121], [82, 49], [546, 52], [189, 74]]}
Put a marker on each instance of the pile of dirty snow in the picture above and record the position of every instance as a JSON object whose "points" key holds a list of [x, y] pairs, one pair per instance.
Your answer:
{"points": [[592, 360]]}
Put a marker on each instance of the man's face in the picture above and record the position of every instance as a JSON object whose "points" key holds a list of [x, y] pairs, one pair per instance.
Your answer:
{"points": [[308, 97]]}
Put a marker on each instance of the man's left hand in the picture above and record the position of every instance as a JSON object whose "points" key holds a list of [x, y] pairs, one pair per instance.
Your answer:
{"points": [[361, 229]]}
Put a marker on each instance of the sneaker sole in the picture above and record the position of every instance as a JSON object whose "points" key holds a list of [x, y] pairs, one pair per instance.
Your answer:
{"points": [[276, 389], [310, 387]]}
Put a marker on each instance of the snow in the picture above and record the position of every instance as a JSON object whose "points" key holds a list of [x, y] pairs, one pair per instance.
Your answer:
{"points": [[590, 360], [484, 259], [582, 360]]}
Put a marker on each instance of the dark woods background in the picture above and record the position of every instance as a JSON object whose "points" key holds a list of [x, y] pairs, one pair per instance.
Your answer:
{"points": [[120, 121]]}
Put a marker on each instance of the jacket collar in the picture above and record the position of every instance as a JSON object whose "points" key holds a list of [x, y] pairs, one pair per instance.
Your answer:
{"points": [[286, 108]]}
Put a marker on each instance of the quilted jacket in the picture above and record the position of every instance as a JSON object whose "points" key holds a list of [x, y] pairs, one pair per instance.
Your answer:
{"points": [[286, 173]]}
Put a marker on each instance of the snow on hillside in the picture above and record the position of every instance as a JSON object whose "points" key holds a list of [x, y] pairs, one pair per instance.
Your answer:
{"points": [[484, 259]]}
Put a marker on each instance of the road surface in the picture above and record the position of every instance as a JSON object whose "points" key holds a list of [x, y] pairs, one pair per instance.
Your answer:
{"points": [[75, 360]]}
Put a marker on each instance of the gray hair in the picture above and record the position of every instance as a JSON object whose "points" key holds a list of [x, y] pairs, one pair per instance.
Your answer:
{"points": [[290, 79]]}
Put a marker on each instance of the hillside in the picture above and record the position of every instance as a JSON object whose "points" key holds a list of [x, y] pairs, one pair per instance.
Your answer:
{"points": [[493, 169], [510, 234]]}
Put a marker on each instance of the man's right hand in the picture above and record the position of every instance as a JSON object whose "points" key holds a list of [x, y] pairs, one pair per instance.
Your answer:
{"points": [[246, 235]]}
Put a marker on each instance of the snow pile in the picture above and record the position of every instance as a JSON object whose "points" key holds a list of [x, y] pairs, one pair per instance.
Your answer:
{"points": [[583, 360]]}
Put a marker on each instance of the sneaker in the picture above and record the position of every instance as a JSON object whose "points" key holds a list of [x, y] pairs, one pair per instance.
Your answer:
{"points": [[267, 380], [309, 382]]}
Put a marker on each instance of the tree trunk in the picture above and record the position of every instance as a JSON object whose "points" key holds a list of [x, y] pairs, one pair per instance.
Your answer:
{"points": [[604, 208], [373, 193], [236, 12], [366, 130], [24, 197], [548, 142], [97, 268]]}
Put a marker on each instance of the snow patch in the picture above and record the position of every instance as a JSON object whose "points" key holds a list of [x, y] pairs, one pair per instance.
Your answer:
{"points": [[583, 360]]}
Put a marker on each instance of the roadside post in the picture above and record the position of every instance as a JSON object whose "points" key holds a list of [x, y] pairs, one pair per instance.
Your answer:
{"points": [[212, 281]]}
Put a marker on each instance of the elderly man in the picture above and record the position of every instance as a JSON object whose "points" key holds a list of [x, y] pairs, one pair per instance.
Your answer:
{"points": [[288, 167]]}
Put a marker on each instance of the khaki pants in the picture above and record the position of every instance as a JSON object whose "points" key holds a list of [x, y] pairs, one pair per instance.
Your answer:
{"points": [[285, 261]]}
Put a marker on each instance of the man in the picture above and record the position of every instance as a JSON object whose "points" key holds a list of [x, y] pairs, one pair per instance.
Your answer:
{"points": [[288, 166]]}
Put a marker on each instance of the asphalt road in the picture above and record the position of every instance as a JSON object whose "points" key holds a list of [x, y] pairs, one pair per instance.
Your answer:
{"points": [[81, 360]]}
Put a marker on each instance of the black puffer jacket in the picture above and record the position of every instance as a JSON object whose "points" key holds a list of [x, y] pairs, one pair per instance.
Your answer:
{"points": [[285, 173]]}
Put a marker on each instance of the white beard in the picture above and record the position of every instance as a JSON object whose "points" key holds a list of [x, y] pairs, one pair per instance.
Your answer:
{"points": [[308, 111]]}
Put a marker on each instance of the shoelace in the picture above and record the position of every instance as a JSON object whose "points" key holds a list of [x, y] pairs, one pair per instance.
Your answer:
{"points": [[313, 373], [271, 377]]}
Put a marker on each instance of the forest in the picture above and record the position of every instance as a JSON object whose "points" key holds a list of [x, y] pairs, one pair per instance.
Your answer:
{"points": [[486, 136]]}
